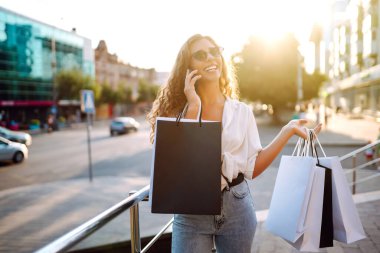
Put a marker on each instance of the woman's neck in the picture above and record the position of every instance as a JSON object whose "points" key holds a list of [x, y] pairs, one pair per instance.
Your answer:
{"points": [[210, 94]]}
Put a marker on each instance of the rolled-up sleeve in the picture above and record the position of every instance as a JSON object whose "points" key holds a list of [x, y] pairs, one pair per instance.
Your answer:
{"points": [[254, 144]]}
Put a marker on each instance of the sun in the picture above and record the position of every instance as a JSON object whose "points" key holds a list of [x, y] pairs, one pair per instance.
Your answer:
{"points": [[272, 19]]}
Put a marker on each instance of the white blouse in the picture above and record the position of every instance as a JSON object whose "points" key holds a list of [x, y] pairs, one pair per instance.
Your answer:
{"points": [[240, 141]]}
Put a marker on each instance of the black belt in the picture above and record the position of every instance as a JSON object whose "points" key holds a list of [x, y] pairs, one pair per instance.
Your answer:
{"points": [[236, 181]]}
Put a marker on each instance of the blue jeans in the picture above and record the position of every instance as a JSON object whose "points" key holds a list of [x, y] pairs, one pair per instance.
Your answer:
{"points": [[233, 229]]}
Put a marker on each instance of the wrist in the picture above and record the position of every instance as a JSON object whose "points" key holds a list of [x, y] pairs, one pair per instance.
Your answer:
{"points": [[288, 131]]}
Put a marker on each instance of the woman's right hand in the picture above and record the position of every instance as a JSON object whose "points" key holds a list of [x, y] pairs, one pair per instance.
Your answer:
{"points": [[191, 95]]}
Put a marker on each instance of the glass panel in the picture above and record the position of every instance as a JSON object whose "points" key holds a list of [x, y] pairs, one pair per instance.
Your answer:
{"points": [[27, 50]]}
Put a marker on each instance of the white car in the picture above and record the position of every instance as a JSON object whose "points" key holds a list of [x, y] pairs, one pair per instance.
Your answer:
{"points": [[122, 125], [12, 151], [15, 136]]}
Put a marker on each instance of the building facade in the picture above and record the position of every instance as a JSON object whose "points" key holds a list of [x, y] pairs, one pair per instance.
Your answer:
{"points": [[112, 71], [353, 57], [31, 52]]}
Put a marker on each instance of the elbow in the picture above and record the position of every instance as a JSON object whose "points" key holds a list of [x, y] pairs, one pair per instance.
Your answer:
{"points": [[254, 174], [259, 167]]}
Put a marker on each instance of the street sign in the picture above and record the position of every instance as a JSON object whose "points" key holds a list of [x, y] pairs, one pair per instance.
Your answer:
{"points": [[87, 104], [53, 109]]}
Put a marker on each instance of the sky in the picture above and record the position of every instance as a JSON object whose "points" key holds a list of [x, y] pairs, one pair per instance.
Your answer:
{"points": [[149, 33]]}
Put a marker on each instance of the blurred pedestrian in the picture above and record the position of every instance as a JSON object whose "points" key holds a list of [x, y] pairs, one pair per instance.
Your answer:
{"points": [[302, 113], [327, 115], [2, 119], [369, 154], [201, 78], [50, 122]]}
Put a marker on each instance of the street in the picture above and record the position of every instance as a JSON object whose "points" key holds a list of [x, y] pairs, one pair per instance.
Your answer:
{"points": [[63, 155]]}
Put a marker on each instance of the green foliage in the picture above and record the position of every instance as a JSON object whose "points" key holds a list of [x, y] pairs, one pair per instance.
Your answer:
{"points": [[267, 71], [61, 119], [108, 94], [36, 122], [68, 84], [147, 91], [97, 89], [311, 84], [123, 94]]}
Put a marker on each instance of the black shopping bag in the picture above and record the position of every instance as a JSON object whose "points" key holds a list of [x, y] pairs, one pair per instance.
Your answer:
{"points": [[186, 167], [327, 225]]}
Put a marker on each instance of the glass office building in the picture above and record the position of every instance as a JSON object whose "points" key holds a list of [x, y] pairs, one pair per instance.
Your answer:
{"points": [[31, 53]]}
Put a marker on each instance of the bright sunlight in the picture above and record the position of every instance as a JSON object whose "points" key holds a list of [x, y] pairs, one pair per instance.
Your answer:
{"points": [[149, 33]]}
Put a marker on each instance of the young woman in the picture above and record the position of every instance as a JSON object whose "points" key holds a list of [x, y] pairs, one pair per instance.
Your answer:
{"points": [[200, 77]]}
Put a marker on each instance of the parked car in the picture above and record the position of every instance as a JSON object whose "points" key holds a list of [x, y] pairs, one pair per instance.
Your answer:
{"points": [[16, 136], [122, 125], [12, 151]]}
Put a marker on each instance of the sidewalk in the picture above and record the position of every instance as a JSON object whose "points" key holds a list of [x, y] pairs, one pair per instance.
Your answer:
{"points": [[33, 216], [340, 131], [368, 206]]}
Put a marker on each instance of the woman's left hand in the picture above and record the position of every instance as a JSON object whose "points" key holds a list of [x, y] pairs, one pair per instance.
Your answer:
{"points": [[297, 127]]}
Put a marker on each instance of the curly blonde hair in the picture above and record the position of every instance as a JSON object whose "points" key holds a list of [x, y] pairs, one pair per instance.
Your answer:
{"points": [[171, 98]]}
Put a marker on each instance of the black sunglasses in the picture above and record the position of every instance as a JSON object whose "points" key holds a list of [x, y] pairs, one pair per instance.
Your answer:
{"points": [[202, 55]]}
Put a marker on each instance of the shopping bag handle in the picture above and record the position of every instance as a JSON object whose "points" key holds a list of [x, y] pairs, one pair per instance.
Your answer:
{"points": [[315, 139], [299, 146], [303, 146], [313, 136], [184, 111]]}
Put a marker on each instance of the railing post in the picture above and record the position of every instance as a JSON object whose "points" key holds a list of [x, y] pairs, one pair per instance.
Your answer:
{"points": [[354, 174], [135, 228]]}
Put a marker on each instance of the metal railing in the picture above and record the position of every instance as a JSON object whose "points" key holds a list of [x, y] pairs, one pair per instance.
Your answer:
{"points": [[72, 238], [78, 234], [355, 167]]}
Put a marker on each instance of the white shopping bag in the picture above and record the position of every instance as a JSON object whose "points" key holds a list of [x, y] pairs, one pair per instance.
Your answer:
{"points": [[290, 199], [347, 225], [310, 239]]}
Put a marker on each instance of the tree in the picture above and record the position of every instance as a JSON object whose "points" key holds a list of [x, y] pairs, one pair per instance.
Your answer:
{"points": [[268, 71], [68, 84], [108, 94], [147, 91], [311, 84], [123, 94]]}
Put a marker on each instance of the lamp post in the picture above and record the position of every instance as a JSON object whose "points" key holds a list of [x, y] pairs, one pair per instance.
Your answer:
{"points": [[53, 109], [53, 67], [299, 77]]}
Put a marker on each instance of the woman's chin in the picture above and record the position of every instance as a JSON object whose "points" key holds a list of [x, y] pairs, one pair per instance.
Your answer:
{"points": [[211, 76]]}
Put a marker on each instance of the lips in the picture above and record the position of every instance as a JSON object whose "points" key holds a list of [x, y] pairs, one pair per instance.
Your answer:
{"points": [[211, 68]]}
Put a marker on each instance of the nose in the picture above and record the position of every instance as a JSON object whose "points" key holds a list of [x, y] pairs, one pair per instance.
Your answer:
{"points": [[210, 56]]}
